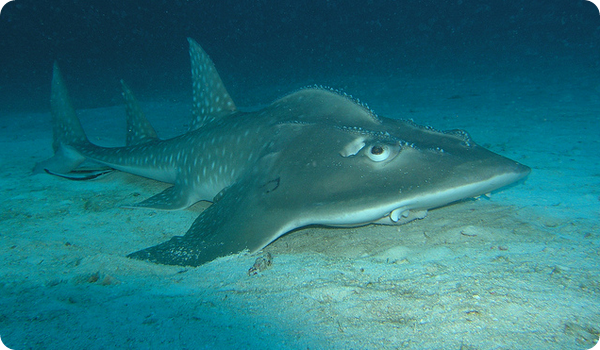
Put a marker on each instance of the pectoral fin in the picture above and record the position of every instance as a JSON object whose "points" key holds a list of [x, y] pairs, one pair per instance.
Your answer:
{"points": [[247, 216], [173, 198]]}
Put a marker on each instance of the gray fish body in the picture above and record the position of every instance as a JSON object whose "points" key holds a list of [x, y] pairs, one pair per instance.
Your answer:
{"points": [[200, 163], [314, 157]]}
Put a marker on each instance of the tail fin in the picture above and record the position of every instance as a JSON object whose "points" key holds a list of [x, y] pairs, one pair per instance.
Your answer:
{"points": [[66, 128]]}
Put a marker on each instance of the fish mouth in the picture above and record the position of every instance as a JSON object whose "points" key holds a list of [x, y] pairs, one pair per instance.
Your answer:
{"points": [[403, 215], [416, 207]]}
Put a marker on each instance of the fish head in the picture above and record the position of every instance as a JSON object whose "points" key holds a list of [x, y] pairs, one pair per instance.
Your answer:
{"points": [[388, 171]]}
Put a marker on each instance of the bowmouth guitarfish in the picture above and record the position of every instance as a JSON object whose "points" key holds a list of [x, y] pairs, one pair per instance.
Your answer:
{"points": [[313, 157]]}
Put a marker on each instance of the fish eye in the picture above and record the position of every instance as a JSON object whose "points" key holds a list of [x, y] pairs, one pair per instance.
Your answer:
{"points": [[378, 152]]}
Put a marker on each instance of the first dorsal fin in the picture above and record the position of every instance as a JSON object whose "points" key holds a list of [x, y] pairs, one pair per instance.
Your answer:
{"points": [[139, 129], [210, 98]]}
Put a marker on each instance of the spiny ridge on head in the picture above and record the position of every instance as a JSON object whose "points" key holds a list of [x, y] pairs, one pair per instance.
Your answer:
{"points": [[344, 94], [456, 133], [368, 113], [210, 98]]}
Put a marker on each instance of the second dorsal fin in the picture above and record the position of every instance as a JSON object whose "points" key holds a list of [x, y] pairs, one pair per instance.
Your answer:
{"points": [[139, 129], [210, 98]]}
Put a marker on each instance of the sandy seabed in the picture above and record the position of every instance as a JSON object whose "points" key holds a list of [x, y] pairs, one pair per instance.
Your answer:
{"points": [[517, 271]]}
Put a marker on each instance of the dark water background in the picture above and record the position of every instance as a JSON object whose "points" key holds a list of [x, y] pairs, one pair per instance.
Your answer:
{"points": [[262, 48], [522, 76]]}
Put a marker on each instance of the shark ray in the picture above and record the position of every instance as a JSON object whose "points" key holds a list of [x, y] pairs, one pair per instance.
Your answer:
{"points": [[313, 157]]}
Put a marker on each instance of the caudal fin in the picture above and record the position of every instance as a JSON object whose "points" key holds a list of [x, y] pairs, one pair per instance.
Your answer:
{"points": [[66, 129]]}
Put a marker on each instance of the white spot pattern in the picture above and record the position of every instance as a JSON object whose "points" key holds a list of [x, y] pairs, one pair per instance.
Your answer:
{"points": [[210, 98]]}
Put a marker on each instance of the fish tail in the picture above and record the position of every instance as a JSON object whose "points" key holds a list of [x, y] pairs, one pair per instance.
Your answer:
{"points": [[68, 134]]}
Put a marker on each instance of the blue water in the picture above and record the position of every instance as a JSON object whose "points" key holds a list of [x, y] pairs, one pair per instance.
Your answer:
{"points": [[523, 77], [297, 43]]}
